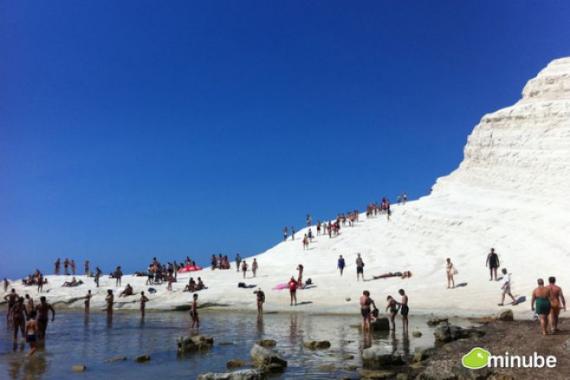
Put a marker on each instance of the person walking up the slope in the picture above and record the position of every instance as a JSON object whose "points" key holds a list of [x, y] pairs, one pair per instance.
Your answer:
{"points": [[254, 267], [292, 233], [506, 287], [450, 271], [557, 302], [305, 242], [293, 290], [244, 268], [285, 234], [341, 264], [540, 303], [359, 267], [493, 264]]}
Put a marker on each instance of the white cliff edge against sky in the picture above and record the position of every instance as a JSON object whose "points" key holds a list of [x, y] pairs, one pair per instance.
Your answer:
{"points": [[508, 193]]}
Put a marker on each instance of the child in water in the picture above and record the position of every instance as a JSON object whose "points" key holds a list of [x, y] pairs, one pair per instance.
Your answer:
{"points": [[31, 332]]}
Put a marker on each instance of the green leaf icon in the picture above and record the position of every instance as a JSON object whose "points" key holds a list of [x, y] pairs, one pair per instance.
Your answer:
{"points": [[476, 358]]}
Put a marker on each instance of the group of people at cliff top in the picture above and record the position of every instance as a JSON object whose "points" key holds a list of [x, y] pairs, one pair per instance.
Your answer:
{"points": [[220, 262], [37, 279], [69, 267], [547, 300], [28, 318]]}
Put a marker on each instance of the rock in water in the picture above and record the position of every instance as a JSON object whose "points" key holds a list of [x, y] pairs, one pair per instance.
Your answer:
{"points": [[367, 374], [267, 360], [235, 363], [446, 333], [436, 321], [380, 324], [79, 368], [246, 374], [317, 344], [378, 358], [194, 343], [118, 358], [417, 334], [267, 343], [142, 358], [506, 316]]}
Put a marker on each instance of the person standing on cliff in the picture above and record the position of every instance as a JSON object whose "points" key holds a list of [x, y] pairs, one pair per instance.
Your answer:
{"points": [[557, 302], [86, 267], [118, 274], [98, 273], [57, 265], [244, 268], [238, 260], [254, 267], [493, 264]]}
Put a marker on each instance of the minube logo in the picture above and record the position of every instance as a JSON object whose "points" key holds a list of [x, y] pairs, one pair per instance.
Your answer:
{"points": [[479, 358]]}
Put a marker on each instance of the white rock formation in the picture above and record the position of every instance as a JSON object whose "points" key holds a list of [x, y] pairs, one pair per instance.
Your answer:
{"points": [[510, 192]]}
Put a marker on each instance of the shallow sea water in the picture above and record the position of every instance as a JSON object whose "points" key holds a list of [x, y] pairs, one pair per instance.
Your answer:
{"points": [[75, 339]]}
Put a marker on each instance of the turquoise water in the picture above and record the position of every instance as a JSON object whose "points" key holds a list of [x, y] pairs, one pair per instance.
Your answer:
{"points": [[74, 339]]}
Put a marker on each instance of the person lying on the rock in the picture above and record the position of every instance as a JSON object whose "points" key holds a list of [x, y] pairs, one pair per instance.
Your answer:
{"points": [[406, 274], [72, 283], [127, 292]]}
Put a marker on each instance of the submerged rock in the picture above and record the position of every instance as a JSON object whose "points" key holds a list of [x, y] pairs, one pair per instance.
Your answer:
{"points": [[267, 360], [142, 358], [235, 363], [194, 343], [377, 358], [436, 321], [317, 344], [244, 374], [375, 374], [423, 354], [417, 334], [118, 358], [267, 343], [79, 368]]}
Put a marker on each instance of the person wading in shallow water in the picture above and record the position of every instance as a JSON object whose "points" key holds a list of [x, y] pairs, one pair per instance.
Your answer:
{"points": [[87, 301], [43, 310], [31, 332], [366, 304], [404, 310], [557, 302], [540, 303], [260, 301], [194, 312], [109, 299], [143, 301]]}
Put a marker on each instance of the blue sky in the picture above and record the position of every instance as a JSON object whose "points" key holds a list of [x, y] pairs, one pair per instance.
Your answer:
{"points": [[135, 129]]}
